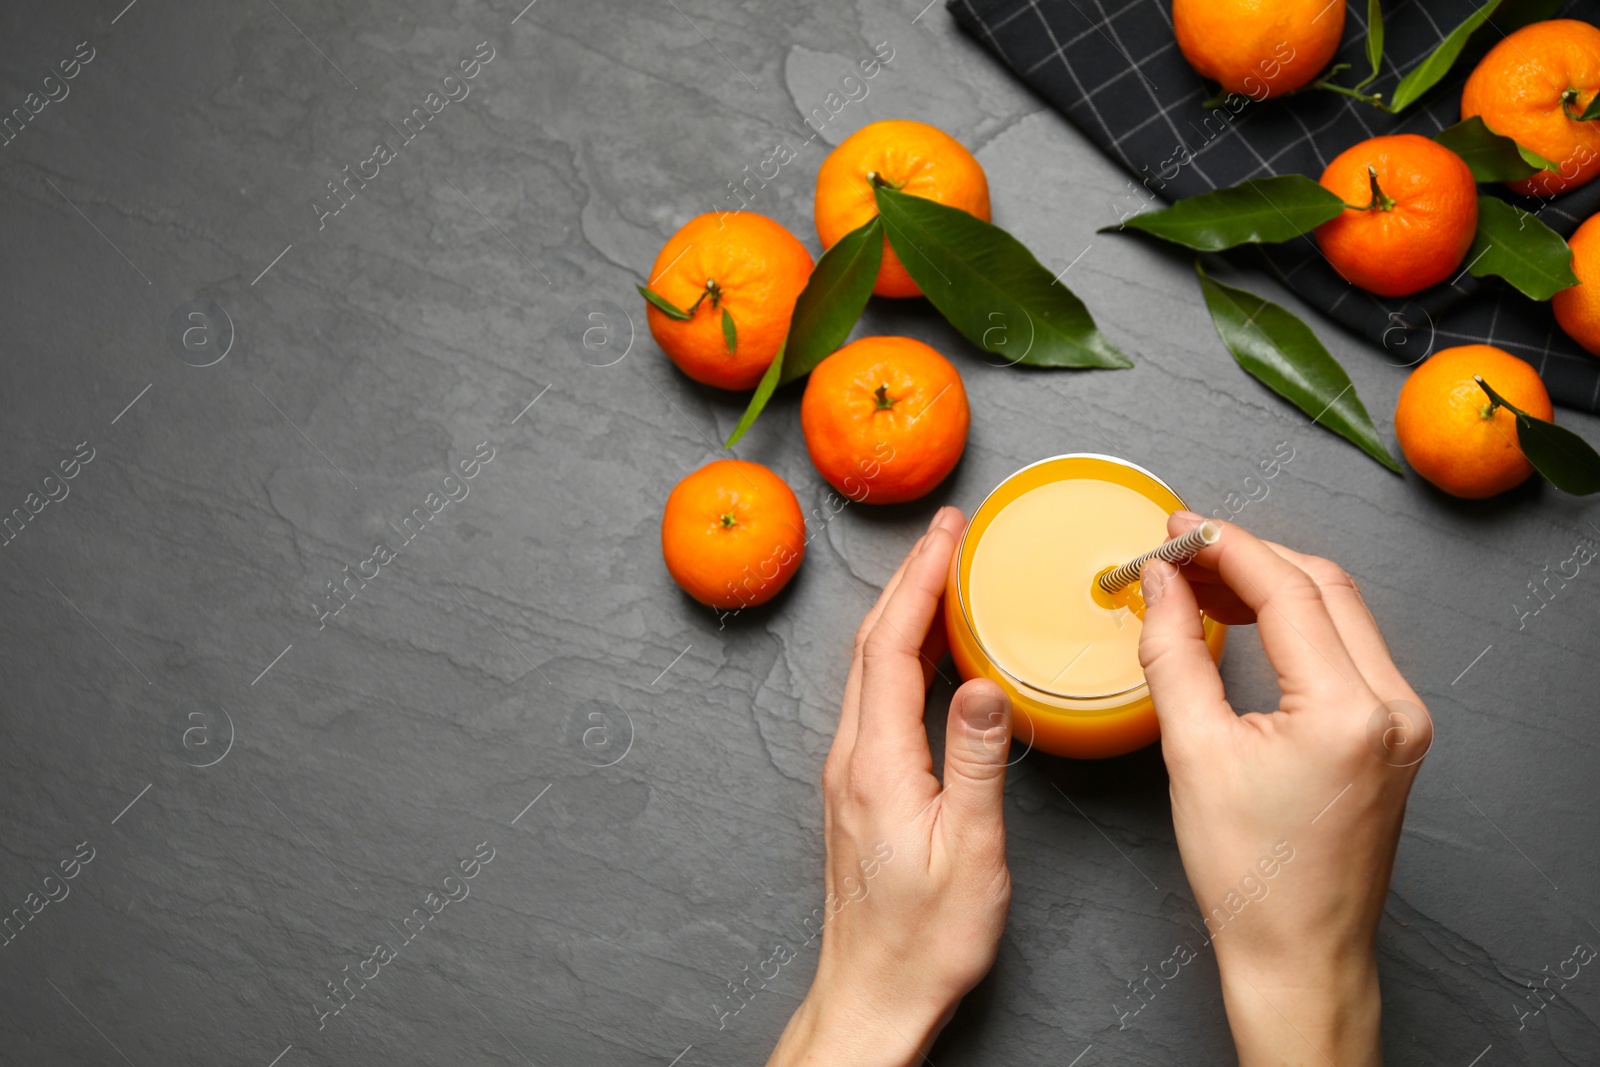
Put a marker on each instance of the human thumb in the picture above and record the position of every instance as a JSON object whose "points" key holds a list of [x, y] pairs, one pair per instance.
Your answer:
{"points": [[977, 738]]}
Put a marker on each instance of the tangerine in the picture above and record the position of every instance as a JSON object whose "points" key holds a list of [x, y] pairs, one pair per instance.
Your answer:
{"points": [[1578, 308], [1258, 48], [1446, 428], [914, 158], [1412, 211], [743, 265], [732, 534], [1531, 87], [885, 419]]}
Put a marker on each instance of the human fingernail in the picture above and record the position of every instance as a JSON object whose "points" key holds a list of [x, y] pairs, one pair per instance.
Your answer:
{"points": [[934, 522], [1154, 578], [984, 712], [986, 707], [988, 733], [1189, 516]]}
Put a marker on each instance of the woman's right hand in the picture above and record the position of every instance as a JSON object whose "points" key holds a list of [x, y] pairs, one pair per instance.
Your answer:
{"points": [[1287, 823]]}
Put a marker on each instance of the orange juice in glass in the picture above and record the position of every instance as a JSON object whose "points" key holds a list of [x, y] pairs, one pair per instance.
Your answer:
{"points": [[1022, 607]]}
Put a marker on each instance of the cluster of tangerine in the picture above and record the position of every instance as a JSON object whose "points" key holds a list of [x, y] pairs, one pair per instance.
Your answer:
{"points": [[1412, 208], [884, 418]]}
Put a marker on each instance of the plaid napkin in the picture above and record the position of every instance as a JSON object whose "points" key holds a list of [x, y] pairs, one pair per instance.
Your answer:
{"points": [[1113, 68]]}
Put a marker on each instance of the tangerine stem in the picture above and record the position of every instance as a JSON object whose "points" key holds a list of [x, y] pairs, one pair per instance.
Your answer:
{"points": [[1569, 99], [882, 393], [1495, 399], [881, 182], [713, 290], [1380, 201], [728, 521], [1375, 99]]}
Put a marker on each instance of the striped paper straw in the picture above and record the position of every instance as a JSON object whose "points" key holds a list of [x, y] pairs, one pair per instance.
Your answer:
{"points": [[1179, 550]]}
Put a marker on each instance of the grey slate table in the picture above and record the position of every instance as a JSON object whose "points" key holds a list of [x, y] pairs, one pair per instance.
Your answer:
{"points": [[251, 792]]}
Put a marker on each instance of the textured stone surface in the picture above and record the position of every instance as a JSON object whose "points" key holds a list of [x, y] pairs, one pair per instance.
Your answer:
{"points": [[142, 612]]}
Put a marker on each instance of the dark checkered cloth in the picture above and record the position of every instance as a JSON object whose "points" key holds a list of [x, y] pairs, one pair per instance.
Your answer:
{"points": [[1113, 68]]}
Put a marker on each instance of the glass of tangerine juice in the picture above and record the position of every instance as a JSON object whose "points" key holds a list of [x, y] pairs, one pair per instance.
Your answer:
{"points": [[1022, 606]]}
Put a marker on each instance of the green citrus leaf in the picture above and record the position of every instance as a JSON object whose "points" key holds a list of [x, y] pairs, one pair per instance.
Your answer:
{"points": [[1514, 245], [1374, 41], [663, 305], [991, 288], [1492, 157], [833, 298], [1590, 113], [824, 313], [1564, 459], [1259, 211], [730, 334], [1281, 352], [1426, 75], [758, 399], [1534, 159]]}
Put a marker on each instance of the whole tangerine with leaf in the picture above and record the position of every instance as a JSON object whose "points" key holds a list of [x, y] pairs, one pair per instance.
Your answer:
{"points": [[1258, 48], [912, 157], [1450, 432], [1535, 87], [1411, 213], [885, 419], [721, 293], [1578, 308], [732, 534]]}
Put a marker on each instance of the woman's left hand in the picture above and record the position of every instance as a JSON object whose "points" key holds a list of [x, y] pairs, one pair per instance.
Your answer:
{"points": [[916, 879]]}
